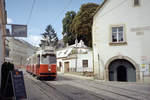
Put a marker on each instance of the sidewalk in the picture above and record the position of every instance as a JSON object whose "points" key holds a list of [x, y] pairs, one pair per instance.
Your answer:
{"points": [[79, 75], [33, 92]]}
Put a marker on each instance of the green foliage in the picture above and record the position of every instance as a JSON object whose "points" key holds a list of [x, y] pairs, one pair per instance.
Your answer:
{"points": [[69, 37], [49, 37], [74, 52], [82, 23]]}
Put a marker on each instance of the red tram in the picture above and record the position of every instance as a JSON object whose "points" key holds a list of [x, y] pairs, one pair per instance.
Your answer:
{"points": [[42, 64]]}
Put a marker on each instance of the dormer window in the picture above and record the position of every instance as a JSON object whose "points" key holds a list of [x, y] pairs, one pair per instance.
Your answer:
{"points": [[136, 2]]}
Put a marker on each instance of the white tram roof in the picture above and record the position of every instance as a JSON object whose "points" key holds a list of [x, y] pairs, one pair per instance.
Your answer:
{"points": [[40, 52], [47, 51]]}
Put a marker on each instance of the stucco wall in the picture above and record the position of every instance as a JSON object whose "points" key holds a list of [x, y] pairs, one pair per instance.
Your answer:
{"points": [[73, 61], [19, 51], [1, 51], [121, 12], [2, 33], [82, 57]]}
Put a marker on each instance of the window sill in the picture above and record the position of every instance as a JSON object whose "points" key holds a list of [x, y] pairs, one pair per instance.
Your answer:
{"points": [[136, 5], [117, 44]]}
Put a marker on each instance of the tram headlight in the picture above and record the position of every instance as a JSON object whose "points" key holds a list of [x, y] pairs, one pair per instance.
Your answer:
{"points": [[49, 69]]}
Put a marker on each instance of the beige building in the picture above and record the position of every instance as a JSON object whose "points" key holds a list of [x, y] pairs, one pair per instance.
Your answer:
{"points": [[121, 31], [20, 50], [2, 32]]}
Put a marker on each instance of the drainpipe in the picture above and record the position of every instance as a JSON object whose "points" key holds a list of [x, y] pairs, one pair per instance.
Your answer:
{"points": [[98, 66], [143, 76], [76, 61], [94, 45], [93, 60]]}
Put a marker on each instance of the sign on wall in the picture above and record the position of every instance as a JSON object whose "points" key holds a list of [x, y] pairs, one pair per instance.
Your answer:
{"points": [[145, 65], [19, 30]]}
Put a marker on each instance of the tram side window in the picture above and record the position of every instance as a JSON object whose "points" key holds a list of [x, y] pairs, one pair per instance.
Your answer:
{"points": [[30, 62], [38, 59], [48, 59], [34, 60]]}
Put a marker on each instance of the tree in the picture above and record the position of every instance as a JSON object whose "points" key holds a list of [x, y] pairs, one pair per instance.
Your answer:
{"points": [[82, 23], [68, 36], [49, 37]]}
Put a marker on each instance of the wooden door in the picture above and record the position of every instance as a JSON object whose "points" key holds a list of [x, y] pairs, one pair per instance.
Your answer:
{"points": [[66, 66]]}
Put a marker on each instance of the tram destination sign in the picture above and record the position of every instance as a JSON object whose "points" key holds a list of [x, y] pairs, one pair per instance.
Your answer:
{"points": [[18, 85]]}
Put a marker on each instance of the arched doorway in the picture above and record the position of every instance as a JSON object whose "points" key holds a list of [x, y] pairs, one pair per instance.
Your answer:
{"points": [[121, 73], [122, 70]]}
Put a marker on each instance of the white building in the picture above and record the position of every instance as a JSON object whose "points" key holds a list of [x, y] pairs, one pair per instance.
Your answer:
{"points": [[20, 50], [121, 37], [75, 58]]}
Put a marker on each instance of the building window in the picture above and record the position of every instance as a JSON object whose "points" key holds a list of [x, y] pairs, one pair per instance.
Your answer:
{"points": [[85, 63], [117, 34], [136, 3]]}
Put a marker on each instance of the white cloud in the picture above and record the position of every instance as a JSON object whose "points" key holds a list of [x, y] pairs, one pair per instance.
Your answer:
{"points": [[9, 20], [33, 39]]}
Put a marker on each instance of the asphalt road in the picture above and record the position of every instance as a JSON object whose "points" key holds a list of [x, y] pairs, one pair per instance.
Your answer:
{"points": [[67, 87]]}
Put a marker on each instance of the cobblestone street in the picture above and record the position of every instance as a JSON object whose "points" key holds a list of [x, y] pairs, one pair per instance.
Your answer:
{"points": [[67, 87]]}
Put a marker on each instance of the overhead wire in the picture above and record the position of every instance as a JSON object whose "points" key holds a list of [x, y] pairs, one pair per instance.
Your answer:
{"points": [[32, 8], [31, 11], [68, 4]]}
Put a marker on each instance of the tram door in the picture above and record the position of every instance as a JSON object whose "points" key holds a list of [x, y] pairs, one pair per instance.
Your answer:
{"points": [[38, 64]]}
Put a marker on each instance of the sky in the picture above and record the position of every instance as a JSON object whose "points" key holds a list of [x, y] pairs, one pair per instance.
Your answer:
{"points": [[44, 12]]}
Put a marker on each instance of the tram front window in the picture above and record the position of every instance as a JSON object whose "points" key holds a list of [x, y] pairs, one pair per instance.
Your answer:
{"points": [[52, 59], [48, 59], [45, 59]]}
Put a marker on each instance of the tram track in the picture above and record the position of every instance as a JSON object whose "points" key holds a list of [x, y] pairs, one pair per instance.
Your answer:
{"points": [[68, 97], [36, 85], [135, 93], [146, 94], [109, 91], [51, 97], [51, 85], [105, 89]]}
